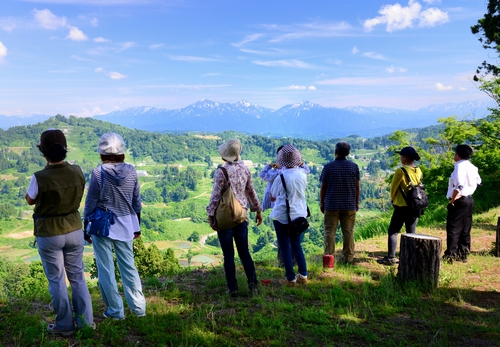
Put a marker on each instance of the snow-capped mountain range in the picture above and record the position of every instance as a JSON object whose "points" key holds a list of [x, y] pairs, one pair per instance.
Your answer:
{"points": [[304, 119]]}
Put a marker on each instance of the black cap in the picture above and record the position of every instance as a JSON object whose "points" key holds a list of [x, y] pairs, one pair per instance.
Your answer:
{"points": [[409, 152]]}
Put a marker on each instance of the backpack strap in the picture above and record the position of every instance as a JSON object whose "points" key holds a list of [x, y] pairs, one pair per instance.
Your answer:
{"points": [[286, 200], [226, 175], [409, 180]]}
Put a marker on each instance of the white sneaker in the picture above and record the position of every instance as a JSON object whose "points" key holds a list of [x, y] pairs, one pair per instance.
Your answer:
{"points": [[301, 279]]}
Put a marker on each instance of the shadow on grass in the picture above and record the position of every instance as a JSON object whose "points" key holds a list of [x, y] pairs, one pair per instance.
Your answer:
{"points": [[360, 305]]}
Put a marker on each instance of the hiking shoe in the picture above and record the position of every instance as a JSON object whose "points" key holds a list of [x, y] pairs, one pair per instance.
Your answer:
{"points": [[301, 279], [448, 258], [387, 261], [52, 329], [232, 293], [254, 289], [106, 315], [288, 283]]}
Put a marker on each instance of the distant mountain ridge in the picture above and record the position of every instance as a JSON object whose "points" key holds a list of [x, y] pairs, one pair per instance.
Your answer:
{"points": [[303, 119]]}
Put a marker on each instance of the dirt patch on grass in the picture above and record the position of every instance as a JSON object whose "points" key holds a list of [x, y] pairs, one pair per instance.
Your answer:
{"points": [[21, 235]]}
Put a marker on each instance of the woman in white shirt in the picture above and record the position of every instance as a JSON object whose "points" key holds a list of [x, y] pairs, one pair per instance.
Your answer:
{"points": [[296, 181]]}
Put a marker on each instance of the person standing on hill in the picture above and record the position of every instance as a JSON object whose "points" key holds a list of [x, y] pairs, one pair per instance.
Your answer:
{"points": [[402, 214], [56, 192], [240, 180], [293, 192], [269, 174], [339, 200], [114, 185], [462, 184]]}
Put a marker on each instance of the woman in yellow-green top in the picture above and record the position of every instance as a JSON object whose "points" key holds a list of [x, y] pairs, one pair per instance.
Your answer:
{"points": [[402, 213]]}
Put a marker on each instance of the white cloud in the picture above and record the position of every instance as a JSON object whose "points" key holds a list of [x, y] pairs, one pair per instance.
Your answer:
{"points": [[247, 39], [76, 34], [94, 22], [307, 30], [334, 61], [156, 46], [8, 24], [192, 59], [284, 63], [440, 86], [392, 69], [101, 40], [112, 74], [432, 1], [396, 17], [116, 75], [374, 55], [3, 51], [432, 17], [355, 50], [126, 45], [463, 89], [311, 88], [297, 87], [48, 20]]}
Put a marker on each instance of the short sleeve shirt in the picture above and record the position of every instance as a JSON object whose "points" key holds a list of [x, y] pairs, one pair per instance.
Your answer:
{"points": [[340, 177]]}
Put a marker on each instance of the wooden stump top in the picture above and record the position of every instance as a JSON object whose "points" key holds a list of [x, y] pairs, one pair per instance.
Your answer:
{"points": [[421, 236]]}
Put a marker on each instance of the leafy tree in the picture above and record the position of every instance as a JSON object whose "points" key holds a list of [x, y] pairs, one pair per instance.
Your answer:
{"points": [[194, 237], [488, 28]]}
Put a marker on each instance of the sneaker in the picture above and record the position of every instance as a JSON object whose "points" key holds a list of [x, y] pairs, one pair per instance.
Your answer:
{"points": [[106, 315], [254, 289], [52, 329], [387, 261], [301, 279], [288, 283], [232, 293], [448, 258]]}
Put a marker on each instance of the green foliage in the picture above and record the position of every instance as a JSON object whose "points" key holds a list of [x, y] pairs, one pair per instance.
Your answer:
{"points": [[21, 280], [194, 237], [488, 28]]}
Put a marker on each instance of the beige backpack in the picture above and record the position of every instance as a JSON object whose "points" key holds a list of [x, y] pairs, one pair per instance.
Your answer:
{"points": [[229, 213]]}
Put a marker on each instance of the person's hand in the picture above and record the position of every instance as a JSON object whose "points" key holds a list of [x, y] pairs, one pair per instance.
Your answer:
{"points": [[258, 218], [322, 208], [87, 237], [137, 234], [211, 221]]}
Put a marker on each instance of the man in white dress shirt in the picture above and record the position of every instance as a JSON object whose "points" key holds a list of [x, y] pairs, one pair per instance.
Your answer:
{"points": [[462, 184]]}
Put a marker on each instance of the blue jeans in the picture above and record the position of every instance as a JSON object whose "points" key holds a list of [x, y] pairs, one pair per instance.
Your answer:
{"points": [[240, 235], [60, 254], [289, 244], [131, 281]]}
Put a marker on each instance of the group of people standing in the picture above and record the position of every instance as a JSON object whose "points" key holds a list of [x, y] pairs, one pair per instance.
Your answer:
{"points": [[339, 202], [56, 191], [461, 185]]}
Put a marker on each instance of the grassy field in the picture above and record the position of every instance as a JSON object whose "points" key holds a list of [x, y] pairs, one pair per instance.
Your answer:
{"points": [[360, 305]]}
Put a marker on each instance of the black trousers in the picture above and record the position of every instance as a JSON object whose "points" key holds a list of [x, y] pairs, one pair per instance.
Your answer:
{"points": [[458, 226]]}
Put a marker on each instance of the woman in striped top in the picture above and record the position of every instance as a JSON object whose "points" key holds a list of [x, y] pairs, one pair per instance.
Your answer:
{"points": [[119, 192]]}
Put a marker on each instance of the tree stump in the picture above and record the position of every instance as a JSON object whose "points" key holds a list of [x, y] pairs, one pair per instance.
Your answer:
{"points": [[497, 241], [420, 259]]}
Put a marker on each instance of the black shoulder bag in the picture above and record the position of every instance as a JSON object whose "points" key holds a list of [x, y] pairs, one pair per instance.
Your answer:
{"points": [[298, 225], [417, 197]]}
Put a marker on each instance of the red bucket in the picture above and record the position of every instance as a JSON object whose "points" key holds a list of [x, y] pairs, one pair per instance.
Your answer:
{"points": [[328, 261]]}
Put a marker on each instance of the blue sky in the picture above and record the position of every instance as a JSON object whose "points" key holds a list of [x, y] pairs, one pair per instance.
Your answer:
{"points": [[88, 57]]}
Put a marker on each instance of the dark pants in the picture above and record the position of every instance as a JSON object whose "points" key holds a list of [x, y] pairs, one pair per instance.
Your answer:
{"points": [[401, 215], [458, 226], [240, 235]]}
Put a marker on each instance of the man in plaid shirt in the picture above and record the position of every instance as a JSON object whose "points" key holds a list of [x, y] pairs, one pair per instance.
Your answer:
{"points": [[339, 199]]}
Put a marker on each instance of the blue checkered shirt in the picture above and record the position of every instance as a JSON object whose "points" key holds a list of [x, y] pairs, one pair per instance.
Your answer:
{"points": [[340, 178]]}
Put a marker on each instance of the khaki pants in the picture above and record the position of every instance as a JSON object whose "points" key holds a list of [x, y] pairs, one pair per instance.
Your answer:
{"points": [[347, 219]]}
